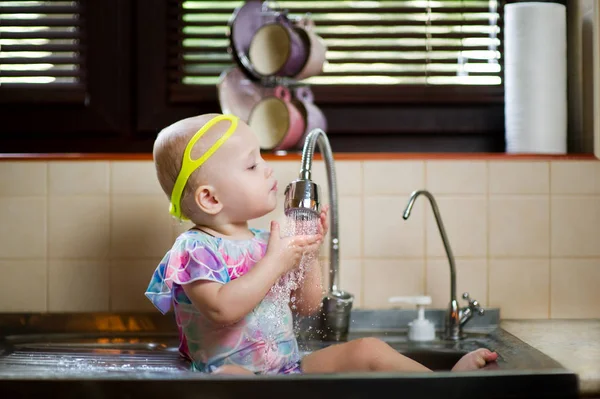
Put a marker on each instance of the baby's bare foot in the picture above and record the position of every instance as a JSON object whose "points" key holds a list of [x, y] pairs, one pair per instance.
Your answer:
{"points": [[475, 360]]}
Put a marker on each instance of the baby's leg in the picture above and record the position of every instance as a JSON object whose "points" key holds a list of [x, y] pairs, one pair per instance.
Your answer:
{"points": [[231, 369], [365, 354], [475, 360]]}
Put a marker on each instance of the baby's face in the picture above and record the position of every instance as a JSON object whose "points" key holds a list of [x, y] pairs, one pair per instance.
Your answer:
{"points": [[244, 182]]}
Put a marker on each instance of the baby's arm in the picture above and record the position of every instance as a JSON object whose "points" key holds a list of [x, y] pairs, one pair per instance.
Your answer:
{"points": [[226, 304], [310, 293]]}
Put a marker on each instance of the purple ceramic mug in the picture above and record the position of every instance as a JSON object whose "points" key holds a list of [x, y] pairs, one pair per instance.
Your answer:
{"points": [[278, 49], [243, 24]]}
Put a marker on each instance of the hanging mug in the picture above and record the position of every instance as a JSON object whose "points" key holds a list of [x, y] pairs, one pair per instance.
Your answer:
{"points": [[238, 94], [278, 49], [316, 50], [276, 121], [243, 24], [312, 115]]}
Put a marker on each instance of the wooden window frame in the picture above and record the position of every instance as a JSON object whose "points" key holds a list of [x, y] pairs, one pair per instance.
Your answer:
{"points": [[34, 120], [130, 101]]}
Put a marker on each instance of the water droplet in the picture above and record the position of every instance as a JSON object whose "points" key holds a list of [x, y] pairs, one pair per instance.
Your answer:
{"points": [[276, 319]]}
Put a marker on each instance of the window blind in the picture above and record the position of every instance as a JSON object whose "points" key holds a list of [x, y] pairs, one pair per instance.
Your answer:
{"points": [[42, 46], [383, 42]]}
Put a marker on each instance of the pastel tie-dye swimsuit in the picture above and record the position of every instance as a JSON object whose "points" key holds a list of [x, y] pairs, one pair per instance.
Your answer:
{"points": [[263, 342]]}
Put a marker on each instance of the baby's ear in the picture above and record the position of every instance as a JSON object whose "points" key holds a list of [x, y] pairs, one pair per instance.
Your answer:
{"points": [[207, 201]]}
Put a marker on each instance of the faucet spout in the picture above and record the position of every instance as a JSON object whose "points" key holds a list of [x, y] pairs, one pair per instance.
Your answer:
{"points": [[302, 199], [453, 330], [317, 137]]}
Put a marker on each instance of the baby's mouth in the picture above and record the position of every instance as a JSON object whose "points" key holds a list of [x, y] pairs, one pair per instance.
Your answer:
{"points": [[274, 188]]}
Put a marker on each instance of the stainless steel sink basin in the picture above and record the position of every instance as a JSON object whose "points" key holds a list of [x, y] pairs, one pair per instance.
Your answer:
{"points": [[66, 353], [158, 354], [88, 353], [131, 352], [126, 354]]}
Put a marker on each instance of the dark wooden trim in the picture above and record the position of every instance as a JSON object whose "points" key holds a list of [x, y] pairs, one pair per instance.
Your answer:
{"points": [[364, 121], [360, 94], [340, 142], [18, 94], [406, 143], [83, 143], [414, 95]]}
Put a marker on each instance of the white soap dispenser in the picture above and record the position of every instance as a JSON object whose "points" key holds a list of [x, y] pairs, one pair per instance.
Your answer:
{"points": [[420, 329]]}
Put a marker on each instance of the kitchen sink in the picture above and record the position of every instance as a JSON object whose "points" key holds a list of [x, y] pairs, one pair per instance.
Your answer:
{"points": [[107, 354], [72, 355], [123, 353], [66, 355]]}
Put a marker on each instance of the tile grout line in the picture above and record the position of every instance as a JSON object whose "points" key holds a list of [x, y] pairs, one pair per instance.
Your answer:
{"points": [[487, 231], [549, 310], [110, 238], [47, 236], [362, 234], [425, 254]]}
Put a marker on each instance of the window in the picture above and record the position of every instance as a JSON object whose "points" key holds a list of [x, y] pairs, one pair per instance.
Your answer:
{"points": [[61, 77], [42, 50], [107, 75], [409, 68]]}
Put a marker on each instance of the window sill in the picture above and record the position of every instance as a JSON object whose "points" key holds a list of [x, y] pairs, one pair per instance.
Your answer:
{"points": [[296, 156]]}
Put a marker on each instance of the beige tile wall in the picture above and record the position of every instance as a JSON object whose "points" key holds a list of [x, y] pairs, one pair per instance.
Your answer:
{"points": [[86, 236]]}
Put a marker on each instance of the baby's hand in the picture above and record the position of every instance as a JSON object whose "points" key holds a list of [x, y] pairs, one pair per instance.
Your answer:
{"points": [[323, 223], [287, 251]]}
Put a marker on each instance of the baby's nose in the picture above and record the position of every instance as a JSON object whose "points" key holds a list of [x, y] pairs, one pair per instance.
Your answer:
{"points": [[268, 171]]}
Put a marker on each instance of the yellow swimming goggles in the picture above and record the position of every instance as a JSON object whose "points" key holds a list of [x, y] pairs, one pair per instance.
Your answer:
{"points": [[189, 165]]}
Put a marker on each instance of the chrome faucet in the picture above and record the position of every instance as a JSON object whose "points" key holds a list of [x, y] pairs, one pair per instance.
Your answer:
{"points": [[456, 317], [302, 200]]}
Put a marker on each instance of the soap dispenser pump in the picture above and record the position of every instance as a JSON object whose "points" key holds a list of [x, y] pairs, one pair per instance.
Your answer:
{"points": [[419, 329]]}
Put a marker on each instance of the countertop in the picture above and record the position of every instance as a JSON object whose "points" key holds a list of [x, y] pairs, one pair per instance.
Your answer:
{"points": [[573, 343]]}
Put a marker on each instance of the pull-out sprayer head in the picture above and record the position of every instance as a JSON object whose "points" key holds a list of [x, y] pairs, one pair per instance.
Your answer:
{"points": [[302, 198]]}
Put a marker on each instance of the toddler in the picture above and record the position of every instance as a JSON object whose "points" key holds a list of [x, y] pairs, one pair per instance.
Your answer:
{"points": [[219, 275]]}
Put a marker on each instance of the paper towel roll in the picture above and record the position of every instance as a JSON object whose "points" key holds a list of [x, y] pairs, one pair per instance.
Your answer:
{"points": [[535, 77]]}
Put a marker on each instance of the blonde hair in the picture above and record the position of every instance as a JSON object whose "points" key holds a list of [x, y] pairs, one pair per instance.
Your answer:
{"points": [[168, 150]]}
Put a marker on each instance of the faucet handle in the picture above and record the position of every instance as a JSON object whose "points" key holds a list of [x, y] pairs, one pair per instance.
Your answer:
{"points": [[473, 304]]}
